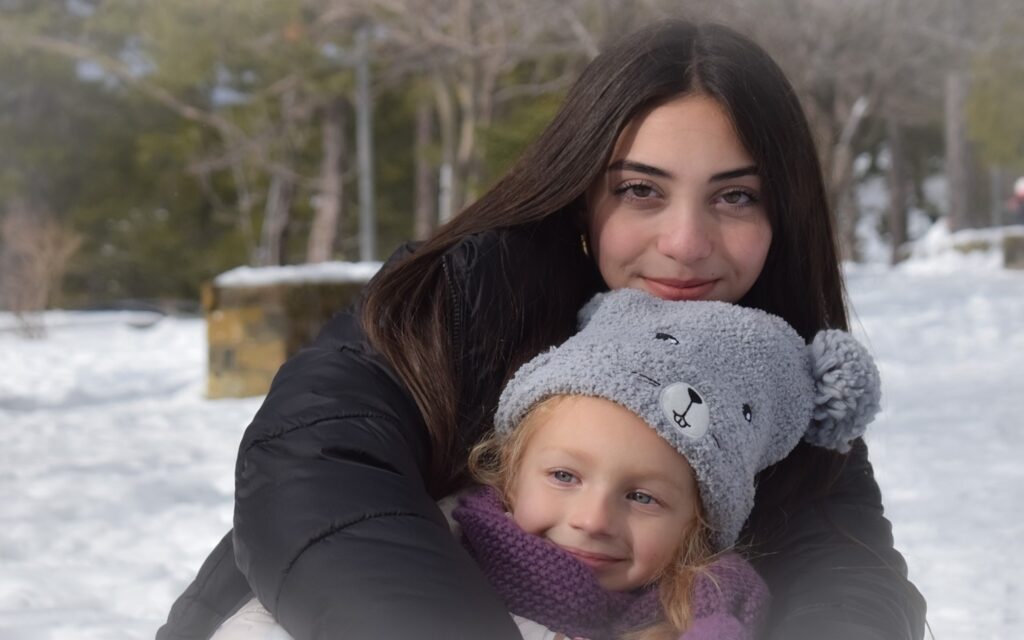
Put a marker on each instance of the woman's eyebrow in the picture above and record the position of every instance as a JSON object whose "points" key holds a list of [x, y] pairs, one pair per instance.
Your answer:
{"points": [[734, 173], [639, 167]]}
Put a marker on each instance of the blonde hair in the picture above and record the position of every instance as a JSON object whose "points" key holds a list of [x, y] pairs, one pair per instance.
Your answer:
{"points": [[495, 462]]}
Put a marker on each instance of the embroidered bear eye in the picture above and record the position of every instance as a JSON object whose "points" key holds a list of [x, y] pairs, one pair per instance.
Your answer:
{"points": [[748, 414], [666, 337]]}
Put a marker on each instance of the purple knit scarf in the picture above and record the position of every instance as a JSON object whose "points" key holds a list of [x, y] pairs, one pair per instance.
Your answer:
{"points": [[543, 583]]}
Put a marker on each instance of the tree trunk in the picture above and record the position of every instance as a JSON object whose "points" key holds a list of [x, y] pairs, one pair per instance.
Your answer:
{"points": [[957, 162], [364, 149], [897, 188], [997, 199], [840, 183], [245, 204], [446, 119], [423, 214], [463, 188], [327, 212], [276, 216]]}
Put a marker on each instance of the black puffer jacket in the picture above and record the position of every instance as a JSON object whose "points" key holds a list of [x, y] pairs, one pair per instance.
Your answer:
{"points": [[337, 535]]}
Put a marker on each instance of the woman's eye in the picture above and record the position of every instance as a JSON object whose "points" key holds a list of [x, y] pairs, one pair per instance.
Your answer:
{"points": [[641, 497], [563, 476], [641, 191], [636, 191], [739, 198]]}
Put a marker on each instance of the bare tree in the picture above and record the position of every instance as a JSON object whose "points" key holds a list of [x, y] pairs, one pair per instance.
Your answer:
{"points": [[424, 216], [467, 50], [897, 217], [328, 203], [34, 253]]}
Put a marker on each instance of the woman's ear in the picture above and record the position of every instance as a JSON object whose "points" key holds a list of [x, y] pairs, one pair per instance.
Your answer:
{"points": [[581, 216]]}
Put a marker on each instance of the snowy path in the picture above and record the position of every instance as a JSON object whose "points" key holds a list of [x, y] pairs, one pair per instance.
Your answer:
{"points": [[116, 474], [947, 447]]}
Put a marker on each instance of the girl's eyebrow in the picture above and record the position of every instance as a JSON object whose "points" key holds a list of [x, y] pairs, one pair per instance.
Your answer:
{"points": [[639, 167]]}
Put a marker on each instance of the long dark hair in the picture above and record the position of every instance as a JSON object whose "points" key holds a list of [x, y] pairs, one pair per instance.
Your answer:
{"points": [[405, 312]]}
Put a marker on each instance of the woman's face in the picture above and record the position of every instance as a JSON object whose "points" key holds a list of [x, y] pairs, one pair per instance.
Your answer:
{"points": [[678, 211]]}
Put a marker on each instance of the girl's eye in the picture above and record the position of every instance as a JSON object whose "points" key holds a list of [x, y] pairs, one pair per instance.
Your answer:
{"points": [[641, 497], [563, 476]]}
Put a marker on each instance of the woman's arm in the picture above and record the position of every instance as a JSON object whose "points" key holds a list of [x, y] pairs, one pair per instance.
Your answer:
{"points": [[831, 567], [334, 528]]}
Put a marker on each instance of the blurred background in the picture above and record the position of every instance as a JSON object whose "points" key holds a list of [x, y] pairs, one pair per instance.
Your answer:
{"points": [[151, 150], [147, 146]]}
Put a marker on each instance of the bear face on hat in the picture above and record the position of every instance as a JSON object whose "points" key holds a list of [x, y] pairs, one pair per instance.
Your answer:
{"points": [[733, 389]]}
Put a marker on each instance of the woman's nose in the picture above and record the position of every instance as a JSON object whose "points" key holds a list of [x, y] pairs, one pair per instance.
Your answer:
{"points": [[685, 234], [593, 513]]}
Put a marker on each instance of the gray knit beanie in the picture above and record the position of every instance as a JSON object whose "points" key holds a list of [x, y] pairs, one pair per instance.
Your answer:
{"points": [[733, 389]]}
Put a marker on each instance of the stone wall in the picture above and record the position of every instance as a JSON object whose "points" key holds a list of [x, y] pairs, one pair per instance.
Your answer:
{"points": [[1013, 251], [1008, 241], [251, 330]]}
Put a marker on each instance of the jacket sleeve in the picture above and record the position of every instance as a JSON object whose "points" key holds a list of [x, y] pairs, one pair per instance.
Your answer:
{"points": [[832, 570], [334, 528]]}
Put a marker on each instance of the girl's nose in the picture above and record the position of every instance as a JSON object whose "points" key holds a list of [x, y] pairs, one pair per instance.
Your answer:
{"points": [[593, 513], [685, 234]]}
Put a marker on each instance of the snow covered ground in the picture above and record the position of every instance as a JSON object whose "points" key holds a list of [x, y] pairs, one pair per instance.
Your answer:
{"points": [[116, 473]]}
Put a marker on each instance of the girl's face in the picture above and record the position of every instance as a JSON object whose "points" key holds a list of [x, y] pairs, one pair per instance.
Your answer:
{"points": [[598, 482], [678, 211]]}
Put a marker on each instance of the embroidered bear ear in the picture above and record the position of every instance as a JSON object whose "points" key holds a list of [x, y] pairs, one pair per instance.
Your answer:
{"points": [[847, 390]]}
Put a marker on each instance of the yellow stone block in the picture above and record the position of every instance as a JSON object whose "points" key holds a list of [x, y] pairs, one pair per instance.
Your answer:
{"points": [[224, 328], [238, 384], [260, 356]]}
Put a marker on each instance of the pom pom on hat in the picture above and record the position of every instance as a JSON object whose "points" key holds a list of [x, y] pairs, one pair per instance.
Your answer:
{"points": [[847, 390]]}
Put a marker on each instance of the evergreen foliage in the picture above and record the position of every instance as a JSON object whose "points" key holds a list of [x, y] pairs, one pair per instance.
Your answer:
{"points": [[156, 132], [996, 103]]}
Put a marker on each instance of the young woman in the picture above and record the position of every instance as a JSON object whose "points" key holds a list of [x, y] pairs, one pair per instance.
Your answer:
{"points": [[681, 163]]}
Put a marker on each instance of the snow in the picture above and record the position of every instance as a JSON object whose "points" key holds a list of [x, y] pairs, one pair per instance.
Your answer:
{"points": [[116, 473], [315, 272]]}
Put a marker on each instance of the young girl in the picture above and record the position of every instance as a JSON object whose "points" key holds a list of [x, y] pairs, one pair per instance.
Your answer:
{"points": [[623, 462]]}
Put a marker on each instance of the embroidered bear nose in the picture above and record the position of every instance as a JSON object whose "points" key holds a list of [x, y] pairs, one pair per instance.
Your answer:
{"points": [[684, 407]]}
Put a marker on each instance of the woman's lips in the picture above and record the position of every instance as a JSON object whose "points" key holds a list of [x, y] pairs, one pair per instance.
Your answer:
{"points": [[669, 289]]}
